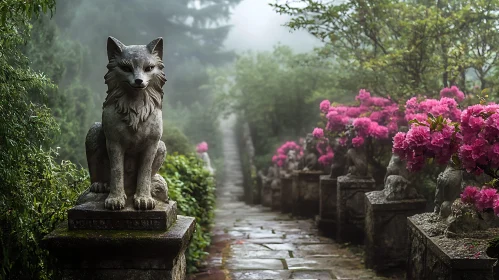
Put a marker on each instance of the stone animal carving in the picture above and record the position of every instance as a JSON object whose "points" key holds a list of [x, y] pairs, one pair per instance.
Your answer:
{"points": [[291, 161], [310, 159], [339, 161], [356, 164], [448, 189], [396, 166], [398, 188], [124, 152], [207, 162]]}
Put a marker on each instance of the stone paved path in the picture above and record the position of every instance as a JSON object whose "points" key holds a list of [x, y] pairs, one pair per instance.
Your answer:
{"points": [[252, 242]]}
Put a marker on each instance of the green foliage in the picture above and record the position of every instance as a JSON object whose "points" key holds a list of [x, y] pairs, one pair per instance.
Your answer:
{"points": [[60, 58], [192, 187], [35, 191], [277, 93], [176, 141], [405, 47]]}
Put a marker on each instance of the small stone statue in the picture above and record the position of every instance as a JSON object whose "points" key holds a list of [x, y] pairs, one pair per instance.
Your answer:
{"points": [[396, 166], [291, 162], [448, 189], [124, 152], [397, 181], [207, 162], [339, 160], [310, 159], [356, 162]]}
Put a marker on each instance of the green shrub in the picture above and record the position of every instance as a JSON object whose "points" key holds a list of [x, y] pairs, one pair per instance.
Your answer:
{"points": [[192, 187], [176, 141]]}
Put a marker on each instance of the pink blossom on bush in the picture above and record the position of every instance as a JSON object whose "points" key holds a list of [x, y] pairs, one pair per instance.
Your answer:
{"points": [[202, 147], [326, 159], [318, 132], [357, 141], [281, 154], [470, 195], [324, 106], [486, 198], [452, 92]]}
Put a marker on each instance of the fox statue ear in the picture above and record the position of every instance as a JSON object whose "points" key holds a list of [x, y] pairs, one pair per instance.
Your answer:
{"points": [[114, 47], [156, 46]]}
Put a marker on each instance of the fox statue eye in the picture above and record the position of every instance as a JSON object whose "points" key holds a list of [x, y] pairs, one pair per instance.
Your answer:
{"points": [[126, 68], [148, 68]]}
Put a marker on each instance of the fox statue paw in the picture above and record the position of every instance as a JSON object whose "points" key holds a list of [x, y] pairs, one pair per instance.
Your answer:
{"points": [[144, 202], [115, 202]]}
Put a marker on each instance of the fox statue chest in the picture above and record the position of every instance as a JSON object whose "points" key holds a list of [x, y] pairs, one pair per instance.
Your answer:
{"points": [[133, 141]]}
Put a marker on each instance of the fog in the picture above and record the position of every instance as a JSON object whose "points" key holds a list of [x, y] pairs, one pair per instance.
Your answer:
{"points": [[256, 26]]}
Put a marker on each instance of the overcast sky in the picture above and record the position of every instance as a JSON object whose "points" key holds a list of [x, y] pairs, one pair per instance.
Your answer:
{"points": [[256, 26]]}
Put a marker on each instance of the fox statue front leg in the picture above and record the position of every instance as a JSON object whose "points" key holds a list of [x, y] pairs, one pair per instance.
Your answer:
{"points": [[142, 199]]}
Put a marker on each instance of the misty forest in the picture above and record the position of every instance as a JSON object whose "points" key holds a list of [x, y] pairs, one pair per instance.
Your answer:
{"points": [[292, 139]]}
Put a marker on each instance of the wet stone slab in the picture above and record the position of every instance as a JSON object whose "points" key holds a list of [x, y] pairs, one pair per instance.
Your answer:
{"points": [[321, 275], [247, 264], [260, 274]]}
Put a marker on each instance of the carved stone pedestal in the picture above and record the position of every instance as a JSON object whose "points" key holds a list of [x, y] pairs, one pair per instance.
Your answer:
{"points": [[386, 232], [432, 255], [276, 195], [350, 207], [266, 193], [124, 247], [306, 193], [286, 194], [326, 220]]}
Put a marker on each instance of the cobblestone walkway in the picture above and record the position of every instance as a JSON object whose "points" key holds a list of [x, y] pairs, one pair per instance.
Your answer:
{"points": [[252, 242]]}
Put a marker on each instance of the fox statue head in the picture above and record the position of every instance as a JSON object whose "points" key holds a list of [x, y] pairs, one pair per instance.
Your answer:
{"points": [[135, 79]]}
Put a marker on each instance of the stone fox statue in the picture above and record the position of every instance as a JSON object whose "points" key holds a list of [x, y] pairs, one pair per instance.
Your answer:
{"points": [[125, 152]]}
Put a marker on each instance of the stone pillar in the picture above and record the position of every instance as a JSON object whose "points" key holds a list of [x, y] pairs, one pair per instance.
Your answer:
{"points": [[306, 193], [266, 193], [350, 207], [276, 195], [286, 194], [326, 220], [97, 243], [386, 231]]}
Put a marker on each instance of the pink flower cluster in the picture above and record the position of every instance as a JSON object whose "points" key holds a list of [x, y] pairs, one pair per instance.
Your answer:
{"points": [[418, 110], [482, 199], [325, 151], [318, 132], [281, 154], [452, 92], [202, 147], [375, 117], [480, 130], [423, 141]]}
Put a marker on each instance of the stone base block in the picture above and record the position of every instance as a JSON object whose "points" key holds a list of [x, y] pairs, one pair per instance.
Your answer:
{"points": [[266, 199], [350, 203], [276, 198], [327, 200], [306, 193], [286, 194], [434, 256], [123, 254], [93, 215], [327, 226], [386, 231]]}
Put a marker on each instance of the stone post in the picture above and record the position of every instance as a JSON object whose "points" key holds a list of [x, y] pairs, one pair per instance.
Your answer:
{"points": [[350, 207], [306, 193], [287, 194], [326, 220], [386, 243]]}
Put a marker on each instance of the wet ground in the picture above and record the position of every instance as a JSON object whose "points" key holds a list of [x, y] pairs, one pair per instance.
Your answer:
{"points": [[252, 242]]}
